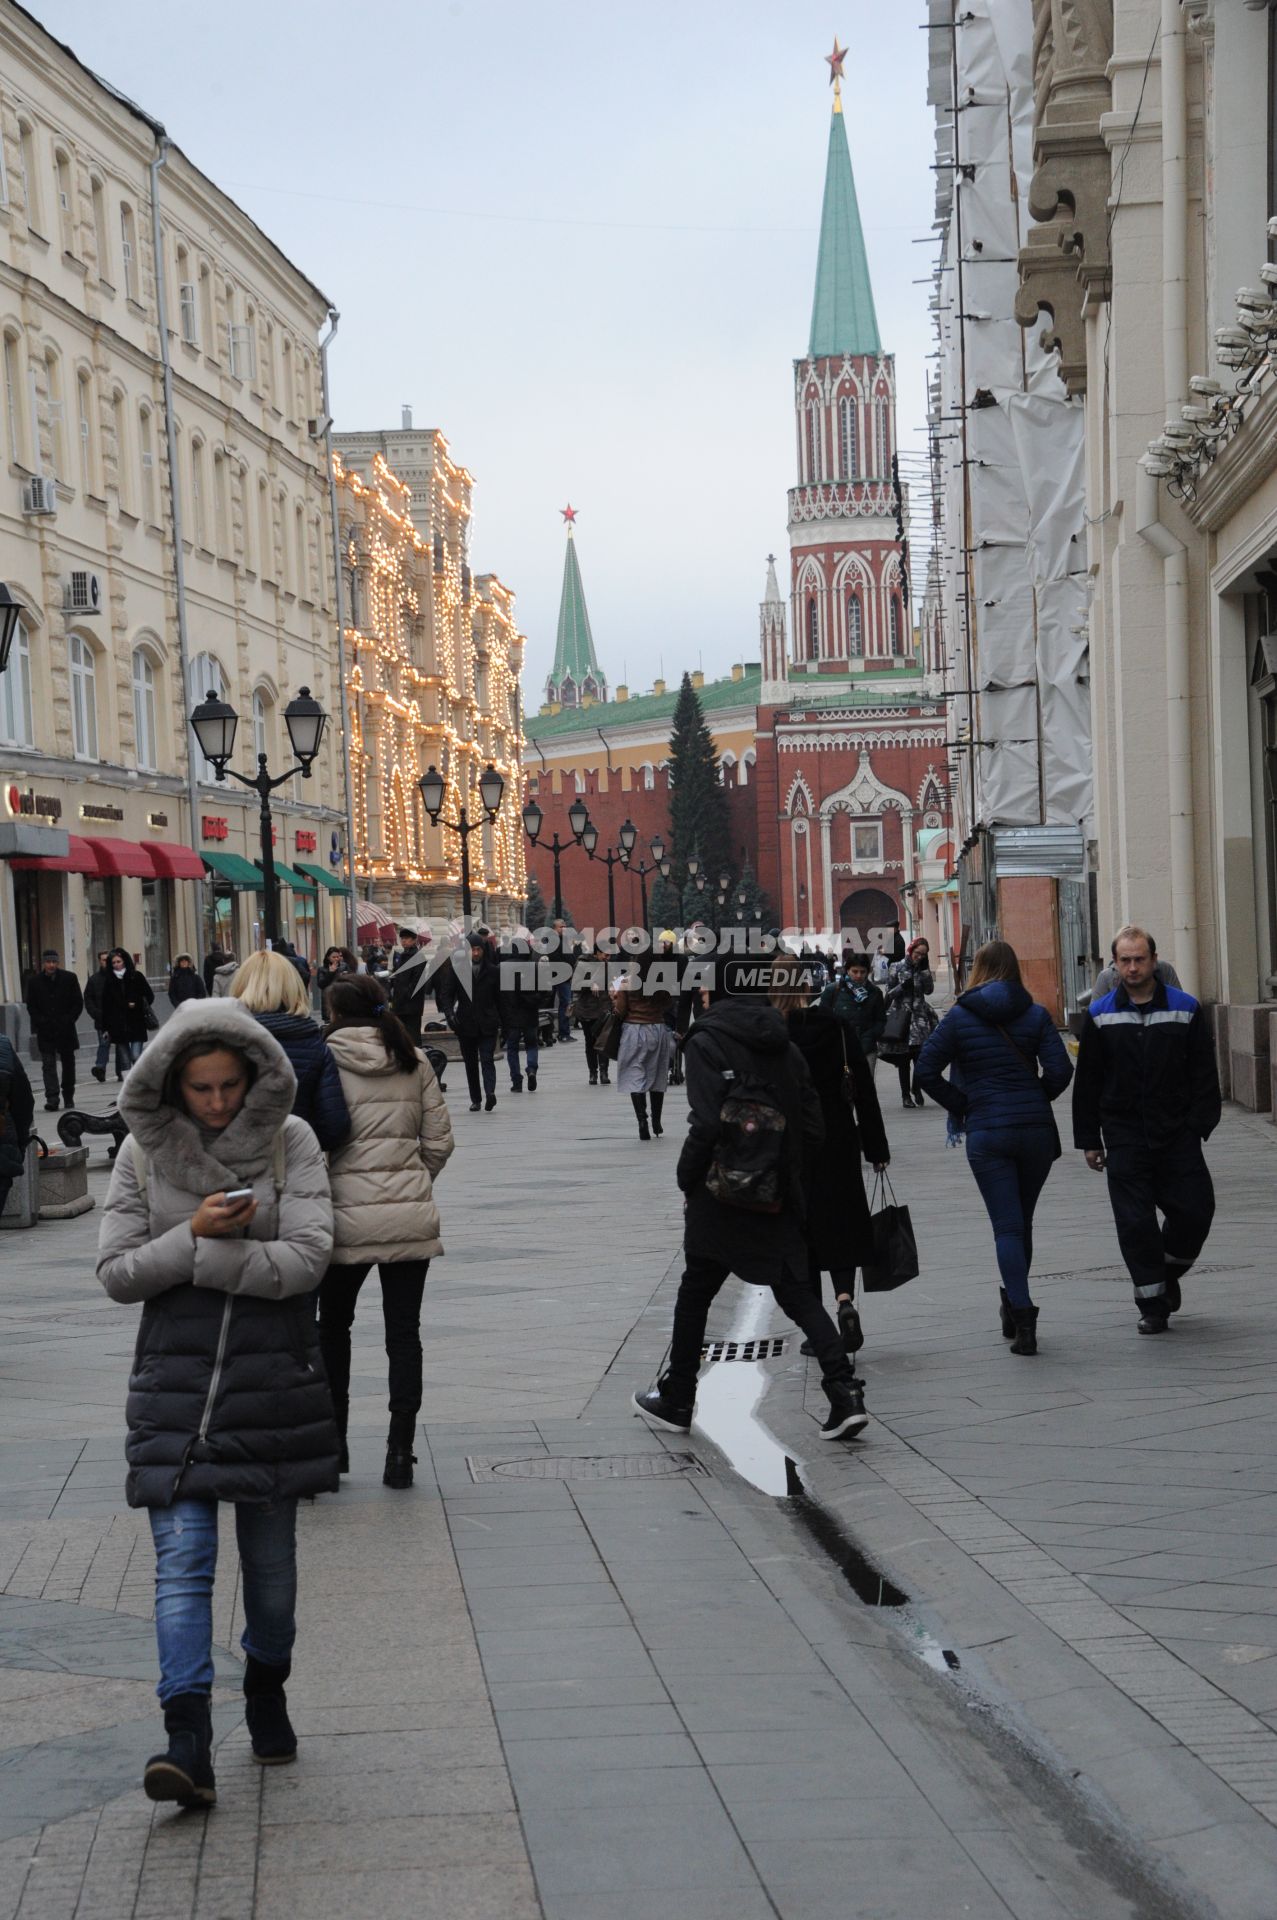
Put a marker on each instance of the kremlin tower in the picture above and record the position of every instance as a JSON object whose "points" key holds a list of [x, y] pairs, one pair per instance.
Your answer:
{"points": [[575, 678]]}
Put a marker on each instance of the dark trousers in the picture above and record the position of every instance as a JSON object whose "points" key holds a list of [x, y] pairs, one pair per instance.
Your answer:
{"points": [[562, 1001], [1011, 1170], [1172, 1180], [698, 1289], [843, 1278], [51, 1054], [906, 1066], [596, 1063], [479, 1051], [403, 1282], [525, 1036]]}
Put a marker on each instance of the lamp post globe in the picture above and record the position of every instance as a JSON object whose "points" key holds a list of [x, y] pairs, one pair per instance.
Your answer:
{"points": [[724, 882], [10, 614], [533, 821], [491, 788], [627, 837], [657, 845], [590, 837], [693, 866], [306, 721], [432, 786], [214, 724], [578, 818], [664, 866]]}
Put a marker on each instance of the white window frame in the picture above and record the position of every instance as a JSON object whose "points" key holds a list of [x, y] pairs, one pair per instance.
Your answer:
{"points": [[849, 431], [206, 677], [146, 463], [128, 250], [17, 724], [894, 623], [11, 347], [146, 732], [84, 426], [84, 698], [865, 863], [855, 625], [261, 724], [188, 312]]}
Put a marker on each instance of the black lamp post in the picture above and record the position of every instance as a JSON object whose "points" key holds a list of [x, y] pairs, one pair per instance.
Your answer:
{"points": [[578, 820], [433, 786], [628, 837], [214, 725], [10, 614], [590, 841]]}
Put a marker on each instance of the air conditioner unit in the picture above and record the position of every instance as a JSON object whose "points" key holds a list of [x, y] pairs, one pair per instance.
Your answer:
{"points": [[39, 495], [82, 593]]}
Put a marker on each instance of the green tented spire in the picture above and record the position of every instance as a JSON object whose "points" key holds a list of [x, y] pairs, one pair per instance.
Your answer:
{"points": [[574, 656], [842, 315]]}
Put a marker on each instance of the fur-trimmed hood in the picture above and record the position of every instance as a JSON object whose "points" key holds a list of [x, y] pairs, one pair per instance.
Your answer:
{"points": [[170, 1139]]}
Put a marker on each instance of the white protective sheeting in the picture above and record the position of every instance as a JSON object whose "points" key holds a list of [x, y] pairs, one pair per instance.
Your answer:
{"points": [[1021, 512]]}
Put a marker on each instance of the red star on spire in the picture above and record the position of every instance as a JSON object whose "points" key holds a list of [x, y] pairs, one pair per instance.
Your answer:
{"points": [[569, 513], [834, 62]]}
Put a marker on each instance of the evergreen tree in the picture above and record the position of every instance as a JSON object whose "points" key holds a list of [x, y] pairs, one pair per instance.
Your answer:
{"points": [[662, 905], [699, 819], [755, 901], [535, 912]]}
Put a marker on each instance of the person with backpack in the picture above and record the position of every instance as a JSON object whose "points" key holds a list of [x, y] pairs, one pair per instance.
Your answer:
{"points": [[753, 1119], [384, 1209], [269, 985], [218, 1220], [1006, 1064], [17, 1111], [858, 1004]]}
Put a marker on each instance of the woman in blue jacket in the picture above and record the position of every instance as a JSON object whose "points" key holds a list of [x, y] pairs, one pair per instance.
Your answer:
{"points": [[270, 986], [994, 1039]]}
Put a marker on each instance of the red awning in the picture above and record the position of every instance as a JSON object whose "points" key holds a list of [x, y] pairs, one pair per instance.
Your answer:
{"points": [[173, 862], [122, 857], [79, 858]]}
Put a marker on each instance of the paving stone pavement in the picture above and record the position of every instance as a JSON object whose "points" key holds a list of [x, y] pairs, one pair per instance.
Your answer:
{"points": [[551, 1696]]}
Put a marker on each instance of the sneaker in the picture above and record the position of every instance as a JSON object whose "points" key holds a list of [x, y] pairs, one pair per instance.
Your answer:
{"points": [[853, 1334], [490, 1103], [532, 1081], [1153, 1320], [99, 1073], [847, 1416], [660, 1412]]}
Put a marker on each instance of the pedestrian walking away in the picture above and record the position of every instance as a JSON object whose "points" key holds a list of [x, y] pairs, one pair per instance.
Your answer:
{"points": [[838, 1229], [185, 982], [467, 992], [646, 1049], [910, 1021], [126, 1009], [217, 957], [94, 988], [1145, 1098], [745, 1203], [384, 1211], [218, 1219], [591, 1008], [568, 951], [273, 991], [1006, 1064], [55, 1002], [859, 1004], [17, 1112], [520, 998]]}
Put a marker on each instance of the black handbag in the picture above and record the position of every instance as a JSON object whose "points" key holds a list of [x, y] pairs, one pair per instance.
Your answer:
{"points": [[848, 1080], [894, 1256], [607, 1039], [896, 1029]]}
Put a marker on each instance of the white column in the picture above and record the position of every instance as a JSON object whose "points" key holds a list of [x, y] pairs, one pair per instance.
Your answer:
{"points": [[826, 871]]}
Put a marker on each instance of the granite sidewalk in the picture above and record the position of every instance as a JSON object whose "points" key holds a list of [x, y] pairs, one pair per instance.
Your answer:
{"points": [[583, 1667]]}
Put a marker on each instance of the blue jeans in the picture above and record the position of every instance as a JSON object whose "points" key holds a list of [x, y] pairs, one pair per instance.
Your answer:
{"points": [[525, 1036], [185, 1536], [127, 1054], [104, 1050], [1010, 1170]]}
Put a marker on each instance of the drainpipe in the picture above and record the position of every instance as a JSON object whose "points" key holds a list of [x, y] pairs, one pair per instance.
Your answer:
{"points": [[1148, 523], [352, 909], [189, 693]]}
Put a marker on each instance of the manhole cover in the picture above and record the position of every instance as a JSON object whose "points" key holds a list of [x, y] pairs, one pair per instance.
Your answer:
{"points": [[742, 1349], [589, 1466]]}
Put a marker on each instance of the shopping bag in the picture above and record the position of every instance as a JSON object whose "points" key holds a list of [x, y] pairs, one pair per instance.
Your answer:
{"points": [[896, 1030], [894, 1255]]}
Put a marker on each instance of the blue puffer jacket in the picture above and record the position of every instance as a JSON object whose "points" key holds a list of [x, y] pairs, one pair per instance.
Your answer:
{"points": [[990, 1088], [320, 1101]]}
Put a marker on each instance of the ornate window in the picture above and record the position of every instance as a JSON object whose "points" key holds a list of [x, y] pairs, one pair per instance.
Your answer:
{"points": [[57, 421], [128, 251], [15, 694], [84, 699], [893, 621], [146, 443], [261, 725], [814, 463], [15, 417], [146, 733], [206, 677], [101, 237], [882, 438], [813, 628], [855, 628], [84, 424], [66, 203], [847, 434]]}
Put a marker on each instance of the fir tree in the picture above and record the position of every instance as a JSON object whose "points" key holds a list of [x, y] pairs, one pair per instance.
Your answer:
{"points": [[662, 905], [699, 820], [535, 912]]}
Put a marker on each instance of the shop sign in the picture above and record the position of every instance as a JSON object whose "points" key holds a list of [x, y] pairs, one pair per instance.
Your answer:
{"points": [[304, 842], [157, 819], [214, 827], [45, 806], [104, 811]]}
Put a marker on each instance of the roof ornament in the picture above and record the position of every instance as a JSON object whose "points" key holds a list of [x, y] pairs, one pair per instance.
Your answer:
{"points": [[834, 62], [568, 514]]}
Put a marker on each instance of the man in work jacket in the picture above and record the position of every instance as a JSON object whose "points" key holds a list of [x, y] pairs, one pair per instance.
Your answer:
{"points": [[1145, 1096]]}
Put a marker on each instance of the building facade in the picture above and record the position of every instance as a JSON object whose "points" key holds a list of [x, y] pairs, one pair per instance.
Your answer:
{"points": [[97, 840], [435, 660]]}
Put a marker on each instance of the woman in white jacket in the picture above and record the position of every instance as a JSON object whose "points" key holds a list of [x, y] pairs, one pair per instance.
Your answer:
{"points": [[384, 1211]]}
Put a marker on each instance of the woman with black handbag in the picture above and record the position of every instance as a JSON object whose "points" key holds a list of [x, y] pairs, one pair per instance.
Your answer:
{"points": [[994, 1039], [839, 1231], [910, 1021], [127, 1014]]}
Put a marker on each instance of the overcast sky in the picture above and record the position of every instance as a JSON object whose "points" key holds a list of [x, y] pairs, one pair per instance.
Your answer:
{"points": [[577, 235]]}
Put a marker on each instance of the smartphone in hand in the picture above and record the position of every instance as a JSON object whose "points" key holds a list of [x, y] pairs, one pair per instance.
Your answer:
{"points": [[237, 1196]]}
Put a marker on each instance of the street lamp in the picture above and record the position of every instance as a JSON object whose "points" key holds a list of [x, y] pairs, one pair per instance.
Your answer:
{"points": [[432, 787], [214, 725], [656, 846], [10, 614], [590, 841], [578, 820]]}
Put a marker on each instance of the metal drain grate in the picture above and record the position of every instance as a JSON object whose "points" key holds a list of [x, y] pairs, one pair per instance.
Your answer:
{"points": [[590, 1466], [742, 1349], [1120, 1274]]}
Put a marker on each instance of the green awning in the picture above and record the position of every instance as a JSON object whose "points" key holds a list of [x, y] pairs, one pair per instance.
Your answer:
{"points": [[329, 880], [241, 873], [291, 878]]}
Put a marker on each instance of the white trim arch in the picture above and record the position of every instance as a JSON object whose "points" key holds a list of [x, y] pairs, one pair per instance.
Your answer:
{"points": [[799, 790]]}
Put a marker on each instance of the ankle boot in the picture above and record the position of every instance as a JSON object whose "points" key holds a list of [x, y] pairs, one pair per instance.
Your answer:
{"points": [[185, 1772], [1006, 1314], [400, 1458], [266, 1711], [1026, 1330]]}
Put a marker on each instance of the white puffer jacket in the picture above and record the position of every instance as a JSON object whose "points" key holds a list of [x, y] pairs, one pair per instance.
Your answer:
{"points": [[400, 1136]]}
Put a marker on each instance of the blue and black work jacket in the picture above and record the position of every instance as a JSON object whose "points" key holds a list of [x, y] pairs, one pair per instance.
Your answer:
{"points": [[1145, 1074]]}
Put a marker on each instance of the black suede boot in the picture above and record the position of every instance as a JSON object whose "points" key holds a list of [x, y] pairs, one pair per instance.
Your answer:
{"points": [[640, 1108], [1007, 1314], [266, 1711], [400, 1458], [1026, 1330], [185, 1772], [658, 1108]]}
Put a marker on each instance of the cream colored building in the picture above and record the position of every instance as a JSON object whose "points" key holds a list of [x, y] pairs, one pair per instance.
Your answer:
{"points": [[93, 728], [434, 667]]}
